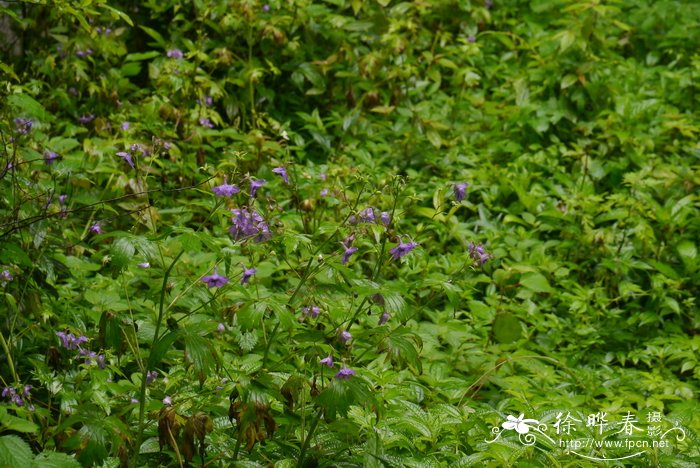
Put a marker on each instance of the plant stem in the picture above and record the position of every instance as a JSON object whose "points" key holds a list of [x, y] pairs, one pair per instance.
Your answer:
{"points": [[305, 444], [142, 393]]}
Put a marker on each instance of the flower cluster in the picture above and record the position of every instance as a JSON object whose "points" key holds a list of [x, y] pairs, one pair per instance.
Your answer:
{"points": [[402, 249], [348, 248], [225, 190], [248, 224], [89, 356], [312, 311], [478, 253], [205, 122], [175, 54], [86, 118], [151, 376], [70, 341], [23, 125], [368, 216], [50, 157], [345, 373], [15, 396]]}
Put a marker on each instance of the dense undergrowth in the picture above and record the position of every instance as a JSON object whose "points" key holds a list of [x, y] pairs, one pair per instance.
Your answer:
{"points": [[344, 233]]}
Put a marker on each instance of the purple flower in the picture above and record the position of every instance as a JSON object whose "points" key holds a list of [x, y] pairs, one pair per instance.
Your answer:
{"points": [[88, 355], [384, 318], [225, 190], [345, 336], [367, 215], [101, 361], [324, 192], [49, 157], [255, 185], [313, 311], [266, 8], [205, 122], [133, 401], [221, 328], [5, 275], [139, 147], [23, 125], [8, 392], [478, 253], [62, 199], [345, 373], [126, 157], [144, 265], [167, 401], [175, 53], [151, 376], [461, 191], [346, 255], [70, 341], [488, 4], [125, 126], [248, 224], [215, 280], [347, 242], [402, 249], [247, 274], [471, 39], [208, 101], [385, 217], [96, 228], [86, 118], [282, 172], [327, 361], [26, 390]]}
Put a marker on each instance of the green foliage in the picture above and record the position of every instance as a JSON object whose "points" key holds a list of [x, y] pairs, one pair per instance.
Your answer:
{"points": [[562, 281]]}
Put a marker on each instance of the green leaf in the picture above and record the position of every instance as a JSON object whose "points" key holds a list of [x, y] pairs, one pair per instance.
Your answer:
{"points": [[143, 56], [536, 282], [26, 106], [687, 251], [201, 353], [506, 328], [161, 348], [13, 423], [55, 460], [155, 35], [15, 453]]}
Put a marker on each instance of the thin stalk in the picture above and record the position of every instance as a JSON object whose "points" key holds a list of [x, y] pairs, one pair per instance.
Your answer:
{"points": [[305, 444], [142, 393], [9, 358]]}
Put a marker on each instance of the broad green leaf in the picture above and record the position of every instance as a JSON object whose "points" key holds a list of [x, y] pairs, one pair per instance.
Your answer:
{"points": [[48, 459], [506, 328], [536, 282], [15, 453]]}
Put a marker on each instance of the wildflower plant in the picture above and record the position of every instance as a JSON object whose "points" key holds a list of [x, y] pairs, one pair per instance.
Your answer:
{"points": [[240, 232]]}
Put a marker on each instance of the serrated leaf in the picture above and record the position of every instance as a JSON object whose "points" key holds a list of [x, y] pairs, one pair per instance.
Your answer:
{"points": [[15, 453], [55, 460], [9, 422], [201, 353]]}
